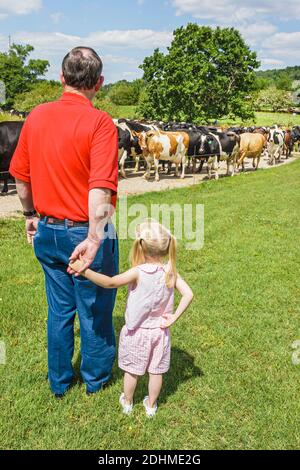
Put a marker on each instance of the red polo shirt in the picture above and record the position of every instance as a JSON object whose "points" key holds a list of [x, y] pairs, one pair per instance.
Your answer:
{"points": [[67, 148]]}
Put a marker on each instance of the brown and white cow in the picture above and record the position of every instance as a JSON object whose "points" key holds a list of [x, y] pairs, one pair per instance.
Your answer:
{"points": [[288, 143], [167, 146], [250, 146]]}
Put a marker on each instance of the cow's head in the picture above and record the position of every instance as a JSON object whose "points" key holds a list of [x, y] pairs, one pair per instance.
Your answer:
{"points": [[205, 140], [202, 143], [143, 138], [272, 134]]}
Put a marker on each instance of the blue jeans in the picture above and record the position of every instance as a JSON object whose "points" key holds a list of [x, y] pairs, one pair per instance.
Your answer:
{"points": [[66, 294]]}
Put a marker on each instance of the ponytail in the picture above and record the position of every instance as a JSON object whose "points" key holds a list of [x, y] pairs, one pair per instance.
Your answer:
{"points": [[137, 255], [171, 273]]}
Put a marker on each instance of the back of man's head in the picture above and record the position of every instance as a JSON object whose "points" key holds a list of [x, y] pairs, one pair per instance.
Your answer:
{"points": [[82, 68]]}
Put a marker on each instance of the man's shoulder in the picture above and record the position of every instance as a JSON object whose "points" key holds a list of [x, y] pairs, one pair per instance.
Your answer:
{"points": [[102, 117], [43, 107]]}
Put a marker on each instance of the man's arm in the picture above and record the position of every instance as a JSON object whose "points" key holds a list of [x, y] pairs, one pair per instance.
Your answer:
{"points": [[103, 184], [100, 210], [25, 195]]}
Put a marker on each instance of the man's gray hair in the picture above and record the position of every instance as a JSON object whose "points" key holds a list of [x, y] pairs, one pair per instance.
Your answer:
{"points": [[82, 68]]}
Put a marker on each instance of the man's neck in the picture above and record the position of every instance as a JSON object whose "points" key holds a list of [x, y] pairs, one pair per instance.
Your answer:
{"points": [[89, 94]]}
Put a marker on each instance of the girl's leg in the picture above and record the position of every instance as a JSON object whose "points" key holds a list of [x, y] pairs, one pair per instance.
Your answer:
{"points": [[154, 387], [130, 382]]}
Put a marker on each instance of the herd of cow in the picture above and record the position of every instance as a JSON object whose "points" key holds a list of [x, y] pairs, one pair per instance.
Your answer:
{"points": [[181, 144]]}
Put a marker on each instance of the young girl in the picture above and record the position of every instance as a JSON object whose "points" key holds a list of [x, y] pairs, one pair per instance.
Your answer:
{"points": [[145, 339]]}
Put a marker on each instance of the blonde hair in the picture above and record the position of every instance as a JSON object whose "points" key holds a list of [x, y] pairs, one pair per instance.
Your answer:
{"points": [[153, 239]]}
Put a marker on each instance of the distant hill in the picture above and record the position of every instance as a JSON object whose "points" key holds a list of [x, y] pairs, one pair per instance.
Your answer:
{"points": [[292, 72], [287, 79]]}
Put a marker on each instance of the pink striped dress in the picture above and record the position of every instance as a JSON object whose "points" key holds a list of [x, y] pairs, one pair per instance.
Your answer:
{"points": [[143, 345]]}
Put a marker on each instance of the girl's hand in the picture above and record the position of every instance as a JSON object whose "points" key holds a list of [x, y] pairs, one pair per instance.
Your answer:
{"points": [[75, 266], [167, 320]]}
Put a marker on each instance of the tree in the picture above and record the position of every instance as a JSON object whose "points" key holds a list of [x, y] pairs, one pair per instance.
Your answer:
{"points": [[207, 73], [18, 73], [284, 82], [41, 92], [272, 99], [125, 93]]}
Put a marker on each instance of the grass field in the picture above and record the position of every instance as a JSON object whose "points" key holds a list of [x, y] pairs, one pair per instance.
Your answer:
{"points": [[266, 119], [8, 117], [261, 118], [232, 384]]}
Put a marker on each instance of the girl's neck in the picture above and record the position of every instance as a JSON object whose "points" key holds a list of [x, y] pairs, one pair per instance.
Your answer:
{"points": [[153, 260]]}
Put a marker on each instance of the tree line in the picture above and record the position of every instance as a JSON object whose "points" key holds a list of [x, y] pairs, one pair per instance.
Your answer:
{"points": [[205, 74]]}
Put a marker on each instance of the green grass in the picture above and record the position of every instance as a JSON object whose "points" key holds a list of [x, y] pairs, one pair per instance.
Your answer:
{"points": [[128, 112], [265, 119], [8, 117], [232, 383], [261, 118]]}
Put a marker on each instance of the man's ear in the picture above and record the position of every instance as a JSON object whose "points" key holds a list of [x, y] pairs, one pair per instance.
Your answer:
{"points": [[62, 79], [99, 83]]}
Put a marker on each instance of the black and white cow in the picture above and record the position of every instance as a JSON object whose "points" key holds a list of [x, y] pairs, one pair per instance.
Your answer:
{"points": [[229, 142], [129, 142], [9, 136], [275, 144]]}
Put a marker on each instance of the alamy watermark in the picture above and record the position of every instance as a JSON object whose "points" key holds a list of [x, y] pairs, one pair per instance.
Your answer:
{"points": [[185, 221], [2, 353], [2, 92], [296, 353]]}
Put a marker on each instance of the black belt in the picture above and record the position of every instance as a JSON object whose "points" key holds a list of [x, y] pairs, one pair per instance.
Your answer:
{"points": [[69, 223]]}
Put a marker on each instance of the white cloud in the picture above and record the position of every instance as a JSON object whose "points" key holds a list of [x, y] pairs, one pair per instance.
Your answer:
{"points": [[56, 17], [254, 19], [283, 46], [19, 7], [255, 33], [234, 11], [283, 40], [271, 63], [138, 39], [122, 51]]}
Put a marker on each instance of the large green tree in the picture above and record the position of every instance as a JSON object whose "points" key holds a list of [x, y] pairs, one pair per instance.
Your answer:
{"points": [[18, 72], [207, 73]]}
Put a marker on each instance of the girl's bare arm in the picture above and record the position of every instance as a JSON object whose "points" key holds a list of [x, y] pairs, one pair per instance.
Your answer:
{"points": [[186, 298], [107, 282]]}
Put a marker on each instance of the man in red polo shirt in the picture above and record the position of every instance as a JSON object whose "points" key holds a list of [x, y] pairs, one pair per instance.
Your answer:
{"points": [[66, 170]]}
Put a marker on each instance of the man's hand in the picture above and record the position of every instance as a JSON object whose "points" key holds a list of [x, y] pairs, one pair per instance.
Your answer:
{"points": [[84, 252], [31, 228]]}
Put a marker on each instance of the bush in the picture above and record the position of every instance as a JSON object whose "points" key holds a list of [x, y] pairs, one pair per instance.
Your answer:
{"points": [[124, 93], [42, 92], [272, 99], [106, 105]]}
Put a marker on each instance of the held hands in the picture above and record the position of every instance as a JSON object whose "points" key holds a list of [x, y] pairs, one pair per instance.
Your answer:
{"points": [[167, 320], [76, 265], [84, 254]]}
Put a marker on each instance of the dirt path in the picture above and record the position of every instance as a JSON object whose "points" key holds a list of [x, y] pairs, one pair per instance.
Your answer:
{"points": [[135, 184]]}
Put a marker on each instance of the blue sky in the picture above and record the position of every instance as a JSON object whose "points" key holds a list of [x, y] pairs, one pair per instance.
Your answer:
{"points": [[124, 31]]}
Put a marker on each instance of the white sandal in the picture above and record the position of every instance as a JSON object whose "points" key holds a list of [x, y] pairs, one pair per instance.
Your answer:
{"points": [[127, 409], [150, 412]]}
